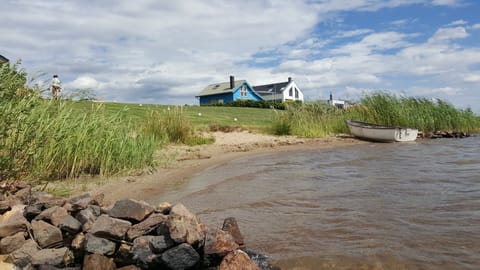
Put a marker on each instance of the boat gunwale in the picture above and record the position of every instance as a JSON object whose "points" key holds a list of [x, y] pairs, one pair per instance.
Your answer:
{"points": [[373, 126]]}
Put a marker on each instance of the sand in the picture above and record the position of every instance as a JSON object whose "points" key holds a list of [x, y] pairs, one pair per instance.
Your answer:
{"points": [[190, 160]]}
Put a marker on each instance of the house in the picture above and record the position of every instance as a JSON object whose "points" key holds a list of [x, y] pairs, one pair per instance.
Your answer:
{"points": [[341, 104], [280, 92], [228, 92], [3, 59]]}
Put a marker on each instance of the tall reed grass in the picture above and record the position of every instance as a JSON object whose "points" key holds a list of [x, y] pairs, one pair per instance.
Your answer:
{"points": [[320, 119]]}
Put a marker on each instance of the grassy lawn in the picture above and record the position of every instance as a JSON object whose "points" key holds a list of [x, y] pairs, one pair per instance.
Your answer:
{"points": [[200, 116]]}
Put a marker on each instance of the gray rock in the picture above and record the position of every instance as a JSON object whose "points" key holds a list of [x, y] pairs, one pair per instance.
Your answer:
{"points": [[131, 210], [143, 255], [184, 226], [57, 257], [70, 225], [109, 227], [31, 211], [46, 234], [88, 216], [148, 225], [98, 262], [80, 202], [180, 257], [99, 245], [124, 256], [11, 243], [160, 243]]}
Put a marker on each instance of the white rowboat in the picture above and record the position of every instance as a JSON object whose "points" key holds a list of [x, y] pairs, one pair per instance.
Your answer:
{"points": [[380, 133]]}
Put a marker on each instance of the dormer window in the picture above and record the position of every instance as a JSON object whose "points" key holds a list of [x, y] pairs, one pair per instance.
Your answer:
{"points": [[243, 91], [290, 92]]}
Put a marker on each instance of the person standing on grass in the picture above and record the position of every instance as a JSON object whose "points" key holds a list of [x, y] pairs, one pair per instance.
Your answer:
{"points": [[56, 87]]}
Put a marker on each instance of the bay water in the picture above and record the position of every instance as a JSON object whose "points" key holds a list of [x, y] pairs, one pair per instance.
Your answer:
{"points": [[369, 206]]}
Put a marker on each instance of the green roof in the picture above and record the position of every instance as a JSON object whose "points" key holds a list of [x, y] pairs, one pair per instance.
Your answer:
{"points": [[220, 88]]}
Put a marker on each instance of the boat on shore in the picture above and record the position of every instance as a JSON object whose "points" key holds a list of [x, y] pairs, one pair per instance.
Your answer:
{"points": [[381, 133]]}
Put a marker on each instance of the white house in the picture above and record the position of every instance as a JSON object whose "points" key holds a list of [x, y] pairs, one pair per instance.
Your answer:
{"points": [[280, 92]]}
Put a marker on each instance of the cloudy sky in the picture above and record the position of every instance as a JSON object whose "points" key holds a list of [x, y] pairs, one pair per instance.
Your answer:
{"points": [[165, 52]]}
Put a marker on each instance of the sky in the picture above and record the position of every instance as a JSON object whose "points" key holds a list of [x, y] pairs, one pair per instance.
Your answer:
{"points": [[166, 52]]}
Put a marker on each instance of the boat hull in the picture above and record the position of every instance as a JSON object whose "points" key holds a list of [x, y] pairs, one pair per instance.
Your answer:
{"points": [[373, 132]]}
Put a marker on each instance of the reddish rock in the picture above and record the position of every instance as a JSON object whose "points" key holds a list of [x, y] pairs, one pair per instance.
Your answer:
{"points": [[146, 226], [8, 229], [219, 242], [129, 267], [98, 262], [54, 214], [11, 243], [13, 221], [46, 234], [109, 227], [230, 225], [184, 226], [131, 210], [237, 260]]}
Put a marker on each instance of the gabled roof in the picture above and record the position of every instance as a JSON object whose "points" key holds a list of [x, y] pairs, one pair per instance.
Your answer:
{"points": [[275, 88], [220, 88], [3, 59]]}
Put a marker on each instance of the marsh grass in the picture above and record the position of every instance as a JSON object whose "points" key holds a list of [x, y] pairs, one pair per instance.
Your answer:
{"points": [[427, 115]]}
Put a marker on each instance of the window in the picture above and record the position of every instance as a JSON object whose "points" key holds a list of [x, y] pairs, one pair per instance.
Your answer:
{"points": [[290, 92], [243, 91], [296, 93]]}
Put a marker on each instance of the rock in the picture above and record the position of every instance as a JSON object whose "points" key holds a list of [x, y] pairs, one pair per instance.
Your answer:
{"points": [[25, 195], [46, 234], [70, 225], [48, 200], [230, 225], [131, 210], [146, 226], [22, 257], [129, 267], [164, 208], [8, 229], [4, 206], [54, 215], [160, 243], [180, 257], [143, 255], [219, 243], [77, 245], [11, 243], [99, 245], [31, 211], [82, 202], [109, 227], [51, 267], [185, 227], [88, 216], [124, 256], [98, 262], [237, 260], [57, 257]]}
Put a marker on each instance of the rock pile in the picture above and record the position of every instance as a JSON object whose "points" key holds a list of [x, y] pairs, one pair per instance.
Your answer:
{"points": [[40, 231]]}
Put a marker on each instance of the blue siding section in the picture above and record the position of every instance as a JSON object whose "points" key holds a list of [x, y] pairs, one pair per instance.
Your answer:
{"points": [[229, 97], [224, 98]]}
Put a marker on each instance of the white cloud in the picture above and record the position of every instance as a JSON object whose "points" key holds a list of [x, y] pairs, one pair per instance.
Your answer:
{"points": [[83, 82], [476, 26], [458, 22], [472, 78], [445, 34]]}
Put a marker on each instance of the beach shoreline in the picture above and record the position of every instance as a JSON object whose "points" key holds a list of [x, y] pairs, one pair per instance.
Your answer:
{"points": [[190, 160]]}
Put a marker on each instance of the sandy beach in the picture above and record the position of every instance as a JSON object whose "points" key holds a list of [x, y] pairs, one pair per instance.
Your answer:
{"points": [[193, 159]]}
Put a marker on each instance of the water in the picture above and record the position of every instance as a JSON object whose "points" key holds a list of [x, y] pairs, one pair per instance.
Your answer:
{"points": [[372, 206]]}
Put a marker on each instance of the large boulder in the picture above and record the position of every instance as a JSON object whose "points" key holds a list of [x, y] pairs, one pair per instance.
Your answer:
{"points": [[109, 227], [180, 257], [184, 226], [131, 210], [46, 234]]}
